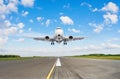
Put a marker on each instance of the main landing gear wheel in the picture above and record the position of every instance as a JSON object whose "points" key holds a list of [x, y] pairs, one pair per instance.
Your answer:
{"points": [[52, 43], [65, 43]]}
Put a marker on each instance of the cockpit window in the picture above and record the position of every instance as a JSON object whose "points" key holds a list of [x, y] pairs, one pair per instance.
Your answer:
{"points": [[58, 28]]}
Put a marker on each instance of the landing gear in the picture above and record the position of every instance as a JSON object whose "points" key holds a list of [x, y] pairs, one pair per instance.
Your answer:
{"points": [[65, 43], [52, 43]]}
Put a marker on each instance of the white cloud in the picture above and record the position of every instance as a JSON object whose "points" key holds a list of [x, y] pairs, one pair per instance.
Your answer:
{"points": [[2, 16], [66, 20], [21, 25], [74, 30], [47, 22], [3, 9], [13, 1], [114, 46], [86, 4], [12, 7], [7, 28], [11, 30], [90, 7], [31, 21], [92, 47], [112, 7], [99, 47], [3, 40], [97, 27], [9, 6], [110, 45], [40, 18], [20, 40], [20, 31], [25, 13], [110, 18], [113, 40], [94, 10], [7, 23], [67, 5], [28, 3], [1, 1], [1, 32]]}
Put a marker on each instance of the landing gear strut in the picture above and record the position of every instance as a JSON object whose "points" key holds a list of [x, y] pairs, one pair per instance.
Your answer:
{"points": [[52, 43], [65, 43]]}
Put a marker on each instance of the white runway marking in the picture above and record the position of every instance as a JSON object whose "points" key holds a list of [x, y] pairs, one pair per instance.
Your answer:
{"points": [[58, 63]]}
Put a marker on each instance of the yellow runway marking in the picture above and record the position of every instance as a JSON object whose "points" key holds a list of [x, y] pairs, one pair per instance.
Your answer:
{"points": [[50, 73]]}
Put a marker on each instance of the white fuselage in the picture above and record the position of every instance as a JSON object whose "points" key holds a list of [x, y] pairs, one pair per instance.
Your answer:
{"points": [[59, 35]]}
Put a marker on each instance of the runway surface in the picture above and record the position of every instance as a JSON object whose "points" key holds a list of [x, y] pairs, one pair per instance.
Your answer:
{"points": [[67, 68], [26, 69], [80, 68]]}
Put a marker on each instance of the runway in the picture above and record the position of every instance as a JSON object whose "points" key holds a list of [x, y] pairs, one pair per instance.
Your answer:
{"points": [[68, 68], [26, 69], [81, 68]]}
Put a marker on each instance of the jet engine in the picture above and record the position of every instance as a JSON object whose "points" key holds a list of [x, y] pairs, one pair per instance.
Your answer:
{"points": [[47, 37], [70, 37]]}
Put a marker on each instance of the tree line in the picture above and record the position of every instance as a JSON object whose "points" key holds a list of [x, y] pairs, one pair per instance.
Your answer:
{"points": [[100, 55], [8, 56], [103, 55]]}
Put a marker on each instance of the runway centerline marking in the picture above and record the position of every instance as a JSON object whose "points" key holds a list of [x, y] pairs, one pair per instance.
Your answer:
{"points": [[58, 63]]}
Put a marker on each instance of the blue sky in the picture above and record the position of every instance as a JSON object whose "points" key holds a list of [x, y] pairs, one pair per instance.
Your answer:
{"points": [[99, 20]]}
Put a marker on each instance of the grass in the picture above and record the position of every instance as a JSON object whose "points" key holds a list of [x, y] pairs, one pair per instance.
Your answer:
{"points": [[16, 58], [100, 57]]}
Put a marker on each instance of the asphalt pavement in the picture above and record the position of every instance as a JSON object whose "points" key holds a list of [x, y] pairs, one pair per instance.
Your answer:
{"points": [[82, 68], [66, 68], [26, 69]]}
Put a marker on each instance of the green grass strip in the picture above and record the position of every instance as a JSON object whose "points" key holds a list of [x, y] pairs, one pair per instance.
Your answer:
{"points": [[100, 57]]}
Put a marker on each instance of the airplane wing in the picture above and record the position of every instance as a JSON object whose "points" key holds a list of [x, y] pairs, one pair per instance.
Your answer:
{"points": [[46, 38], [70, 38], [43, 39], [39, 38], [78, 38]]}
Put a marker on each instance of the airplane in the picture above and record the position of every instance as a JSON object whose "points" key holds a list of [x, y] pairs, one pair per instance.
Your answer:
{"points": [[58, 37]]}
